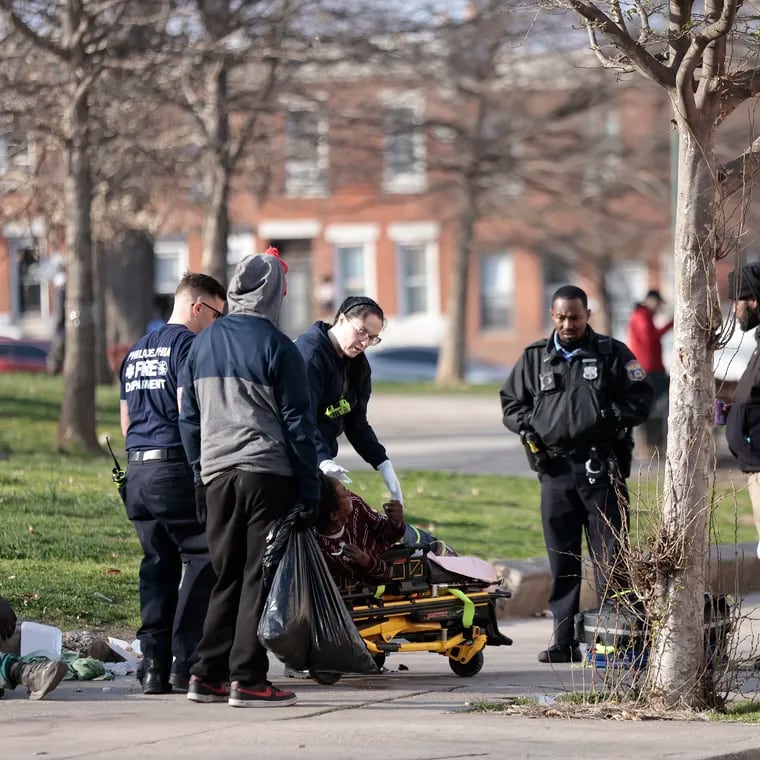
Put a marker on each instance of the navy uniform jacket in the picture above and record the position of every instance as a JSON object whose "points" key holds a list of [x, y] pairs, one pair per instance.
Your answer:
{"points": [[332, 378], [149, 376]]}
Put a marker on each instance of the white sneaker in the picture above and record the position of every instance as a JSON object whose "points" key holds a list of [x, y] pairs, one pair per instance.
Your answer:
{"points": [[758, 549], [302, 675]]}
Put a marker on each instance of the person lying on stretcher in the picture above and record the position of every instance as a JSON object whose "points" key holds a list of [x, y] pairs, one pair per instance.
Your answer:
{"points": [[353, 536]]}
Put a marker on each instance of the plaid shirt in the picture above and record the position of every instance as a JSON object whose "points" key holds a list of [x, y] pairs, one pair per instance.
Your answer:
{"points": [[370, 531]]}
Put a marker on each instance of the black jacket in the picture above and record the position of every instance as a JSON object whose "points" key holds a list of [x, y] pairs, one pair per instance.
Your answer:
{"points": [[587, 402], [332, 377], [743, 421]]}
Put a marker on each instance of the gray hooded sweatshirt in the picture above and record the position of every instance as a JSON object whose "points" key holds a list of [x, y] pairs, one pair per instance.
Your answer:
{"points": [[245, 402]]}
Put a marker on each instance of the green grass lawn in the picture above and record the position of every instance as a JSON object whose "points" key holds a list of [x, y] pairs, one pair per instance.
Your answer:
{"points": [[70, 557]]}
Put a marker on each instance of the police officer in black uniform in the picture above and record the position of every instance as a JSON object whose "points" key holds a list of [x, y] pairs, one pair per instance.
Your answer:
{"points": [[574, 398], [176, 576]]}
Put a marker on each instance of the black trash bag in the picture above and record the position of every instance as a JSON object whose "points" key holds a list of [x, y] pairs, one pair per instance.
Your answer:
{"points": [[277, 540], [305, 622], [337, 646], [285, 625]]}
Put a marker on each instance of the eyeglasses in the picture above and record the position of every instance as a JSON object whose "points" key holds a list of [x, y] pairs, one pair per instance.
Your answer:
{"points": [[217, 313], [372, 340]]}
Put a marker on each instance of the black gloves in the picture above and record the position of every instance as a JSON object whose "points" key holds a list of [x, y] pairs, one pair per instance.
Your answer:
{"points": [[307, 515], [200, 503], [611, 414], [7, 619]]}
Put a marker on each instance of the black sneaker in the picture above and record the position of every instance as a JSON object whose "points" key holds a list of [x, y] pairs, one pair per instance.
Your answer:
{"points": [[41, 677], [557, 654], [199, 690], [179, 683], [260, 695]]}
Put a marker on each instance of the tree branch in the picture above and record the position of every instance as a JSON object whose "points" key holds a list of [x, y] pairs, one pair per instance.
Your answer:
{"points": [[737, 87], [743, 171], [637, 55], [6, 6]]}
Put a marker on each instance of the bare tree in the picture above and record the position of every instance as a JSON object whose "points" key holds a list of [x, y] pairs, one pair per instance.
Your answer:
{"points": [[695, 54], [223, 62], [71, 44]]}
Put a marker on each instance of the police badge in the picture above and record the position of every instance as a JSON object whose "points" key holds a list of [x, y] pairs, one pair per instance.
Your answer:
{"points": [[590, 369]]}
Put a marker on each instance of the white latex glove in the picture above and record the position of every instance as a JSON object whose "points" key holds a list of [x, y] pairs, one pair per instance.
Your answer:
{"points": [[334, 470], [391, 480]]}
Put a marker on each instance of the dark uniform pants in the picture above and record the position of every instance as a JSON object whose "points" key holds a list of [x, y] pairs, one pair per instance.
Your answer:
{"points": [[570, 506], [241, 507], [176, 576]]}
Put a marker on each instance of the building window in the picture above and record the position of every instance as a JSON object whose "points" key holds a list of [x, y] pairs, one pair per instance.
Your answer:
{"points": [[404, 169], [497, 291], [606, 163], [15, 153], [350, 267], [170, 264], [239, 245], [306, 153], [414, 281]]}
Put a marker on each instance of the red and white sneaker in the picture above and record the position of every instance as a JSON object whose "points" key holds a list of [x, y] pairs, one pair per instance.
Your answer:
{"points": [[260, 695], [199, 690]]}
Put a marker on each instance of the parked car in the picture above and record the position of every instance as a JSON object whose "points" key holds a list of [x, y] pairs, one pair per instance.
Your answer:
{"points": [[419, 363], [22, 356]]}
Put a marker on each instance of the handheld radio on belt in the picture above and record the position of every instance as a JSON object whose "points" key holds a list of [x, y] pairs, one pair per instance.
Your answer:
{"points": [[118, 475]]}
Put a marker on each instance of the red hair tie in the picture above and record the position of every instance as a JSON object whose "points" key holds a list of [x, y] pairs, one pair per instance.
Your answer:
{"points": [[272, 251]]}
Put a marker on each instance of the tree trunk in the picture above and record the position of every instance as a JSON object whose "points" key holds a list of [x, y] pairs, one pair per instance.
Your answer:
{"points": [[216, 174], [216, 222], [451, 362], [76, 426], [129, 277], [676, 673]]}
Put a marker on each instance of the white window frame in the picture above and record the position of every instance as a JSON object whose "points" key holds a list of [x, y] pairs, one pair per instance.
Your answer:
{"points": [[314, 183], [363, 236], [508, 296], [415, 179], [22, 160], [170, 247], [239, 245], [417, 233]]}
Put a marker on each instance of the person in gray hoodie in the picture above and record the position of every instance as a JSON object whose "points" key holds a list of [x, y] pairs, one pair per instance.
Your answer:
{"points": [[248, 429]]}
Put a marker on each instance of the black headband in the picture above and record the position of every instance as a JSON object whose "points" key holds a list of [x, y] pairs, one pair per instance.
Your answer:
{"points": [[361, 301]]}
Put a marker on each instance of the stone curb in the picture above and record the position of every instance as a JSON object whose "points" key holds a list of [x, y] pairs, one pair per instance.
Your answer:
{"points": [[732, 569]]}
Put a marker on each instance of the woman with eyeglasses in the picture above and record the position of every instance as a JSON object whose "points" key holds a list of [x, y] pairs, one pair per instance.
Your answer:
{"points": [[340, 387]]}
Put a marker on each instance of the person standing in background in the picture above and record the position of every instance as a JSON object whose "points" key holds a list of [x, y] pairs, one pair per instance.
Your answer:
{"points": [[176, 576], [645, 341]]}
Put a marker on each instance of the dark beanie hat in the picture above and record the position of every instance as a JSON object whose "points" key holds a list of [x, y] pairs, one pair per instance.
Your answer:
{"points": [[744, 283]]}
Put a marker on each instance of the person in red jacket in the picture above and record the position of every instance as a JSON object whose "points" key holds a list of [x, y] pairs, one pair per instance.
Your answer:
{"points": [[645, 341]]}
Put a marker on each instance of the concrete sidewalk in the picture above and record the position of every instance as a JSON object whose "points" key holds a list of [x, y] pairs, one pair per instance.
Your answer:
{"points": [[418, 710]]}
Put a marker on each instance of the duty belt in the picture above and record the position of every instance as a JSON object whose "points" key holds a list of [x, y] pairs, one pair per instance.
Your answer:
{"points": [[175, 454]]}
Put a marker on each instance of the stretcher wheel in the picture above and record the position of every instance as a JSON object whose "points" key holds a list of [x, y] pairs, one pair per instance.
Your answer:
{"points": [[467, 669], [379, 659], [325, 677]]}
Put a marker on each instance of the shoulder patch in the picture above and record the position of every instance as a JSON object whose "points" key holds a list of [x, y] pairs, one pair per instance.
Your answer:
{"points": [[635, 371]]}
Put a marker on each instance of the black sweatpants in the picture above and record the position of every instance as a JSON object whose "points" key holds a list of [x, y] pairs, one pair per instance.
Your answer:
{"points": [[176, 576], [571, 506], [242, 507]]}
